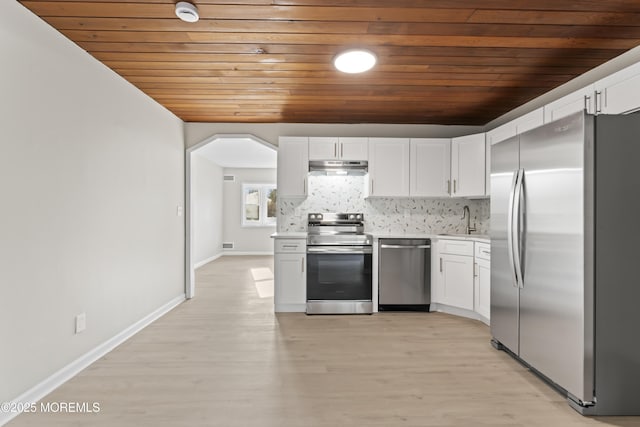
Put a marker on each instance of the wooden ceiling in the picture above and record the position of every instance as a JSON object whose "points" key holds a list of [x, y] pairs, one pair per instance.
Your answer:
{"points": [[439, 61]]}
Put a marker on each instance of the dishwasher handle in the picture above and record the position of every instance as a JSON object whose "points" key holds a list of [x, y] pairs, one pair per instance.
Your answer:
{"points": [[384, 246]]}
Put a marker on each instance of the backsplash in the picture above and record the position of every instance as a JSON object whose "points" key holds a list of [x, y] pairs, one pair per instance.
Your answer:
{"points": [[395, 215]]}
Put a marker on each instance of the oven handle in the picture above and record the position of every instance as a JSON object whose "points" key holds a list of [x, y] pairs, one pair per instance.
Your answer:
{"points": [[339, 250], [405, 246]]}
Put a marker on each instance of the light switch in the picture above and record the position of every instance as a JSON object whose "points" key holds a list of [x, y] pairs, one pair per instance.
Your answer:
{"points": [[179, 210]]}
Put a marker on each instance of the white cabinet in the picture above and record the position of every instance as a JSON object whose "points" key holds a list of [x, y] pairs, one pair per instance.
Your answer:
{"points": [[389, 167], [293, 166], [462, 278], [334, 148], [321, 148], [569, 104], [454, 278], [430, 167], [468, 166], [530, 120], [290, 277], [482, 280], [353, 148], [517, 126], [619, 93]]}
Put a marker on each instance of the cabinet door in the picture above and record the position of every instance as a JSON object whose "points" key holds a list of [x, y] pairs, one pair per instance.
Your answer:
{"points": [[293, 166], [530, 120], [290, 286], [619, 93], [569, 104], [468, 166], [430, 167], [354, 148], [389, 167], [501, 133], [482, 287], [456, 281], [321, 148]]}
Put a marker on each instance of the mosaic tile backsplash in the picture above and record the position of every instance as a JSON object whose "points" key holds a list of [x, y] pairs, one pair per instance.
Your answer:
{"points": [[394, 215]]}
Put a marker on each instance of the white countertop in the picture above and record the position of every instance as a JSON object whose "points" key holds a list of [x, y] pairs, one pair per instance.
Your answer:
{"points": [[385, 235], [473, 237], [289, 235]]}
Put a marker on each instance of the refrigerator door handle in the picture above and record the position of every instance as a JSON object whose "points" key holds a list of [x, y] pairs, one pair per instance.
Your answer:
{"points": [[510, 234], [516, 227]]}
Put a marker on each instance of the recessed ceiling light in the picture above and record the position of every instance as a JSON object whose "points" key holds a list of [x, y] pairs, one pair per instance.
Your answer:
{"points": [[187, 12], [355, 61]]}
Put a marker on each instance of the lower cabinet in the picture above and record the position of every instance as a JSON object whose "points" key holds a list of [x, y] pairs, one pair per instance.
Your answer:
{"points": [[482, 280], [290, 275], [455, 274], [461, 279]]}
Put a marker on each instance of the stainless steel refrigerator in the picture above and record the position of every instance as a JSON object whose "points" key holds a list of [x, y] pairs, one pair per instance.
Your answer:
{"points": [[565, 239]]}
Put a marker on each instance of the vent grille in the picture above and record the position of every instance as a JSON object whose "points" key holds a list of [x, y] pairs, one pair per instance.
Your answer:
{"points": [[230, 178], [227, 245]]}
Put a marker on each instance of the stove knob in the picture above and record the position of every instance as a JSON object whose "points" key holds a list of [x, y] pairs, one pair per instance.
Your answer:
{"points": [[312, 216], [352, 216], [358, 216], [319, 216]]}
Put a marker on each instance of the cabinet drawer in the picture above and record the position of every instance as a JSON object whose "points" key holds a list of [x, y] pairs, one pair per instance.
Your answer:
{"points": [[290, 246], [483, 251], [455, 247]]}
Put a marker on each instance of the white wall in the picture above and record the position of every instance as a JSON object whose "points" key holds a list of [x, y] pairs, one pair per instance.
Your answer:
{"points": [[207, 202], [91, 174], [198, 132], [245, 239]]}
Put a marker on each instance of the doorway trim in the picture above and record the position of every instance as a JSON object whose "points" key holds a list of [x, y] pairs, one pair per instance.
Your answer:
{"points": [[189, 249]]}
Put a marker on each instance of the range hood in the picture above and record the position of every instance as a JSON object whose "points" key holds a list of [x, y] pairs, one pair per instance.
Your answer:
{"points": [[338, 167]]}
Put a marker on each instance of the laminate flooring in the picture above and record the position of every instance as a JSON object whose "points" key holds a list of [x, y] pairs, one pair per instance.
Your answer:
{"points": [[225, 359]]}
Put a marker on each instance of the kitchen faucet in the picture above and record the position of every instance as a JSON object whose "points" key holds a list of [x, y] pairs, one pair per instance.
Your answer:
{"points": [[467, 214]]}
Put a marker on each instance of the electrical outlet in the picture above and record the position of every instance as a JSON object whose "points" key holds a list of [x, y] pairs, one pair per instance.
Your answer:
{"points": [[81, 322], [179, 210]]}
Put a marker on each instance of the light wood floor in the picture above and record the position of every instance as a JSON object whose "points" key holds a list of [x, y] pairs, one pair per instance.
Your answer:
{"points": [[225, 359]]}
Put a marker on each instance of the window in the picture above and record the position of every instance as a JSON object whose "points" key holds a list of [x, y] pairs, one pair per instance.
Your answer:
{"points": [[259, 204]]}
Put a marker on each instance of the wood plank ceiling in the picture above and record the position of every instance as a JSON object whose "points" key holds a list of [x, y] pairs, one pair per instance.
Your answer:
{"points": [[439, 61]]}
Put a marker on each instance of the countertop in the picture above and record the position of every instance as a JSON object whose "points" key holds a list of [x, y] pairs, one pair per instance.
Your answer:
{"points": [[472, 237], [289, 235], [383, 235]]}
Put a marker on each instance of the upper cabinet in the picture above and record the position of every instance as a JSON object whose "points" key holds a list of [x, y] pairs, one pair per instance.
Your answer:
{"points": [[334, 148], [354, 148], [577, 101], [323, 148], [517, 126], [293, 166], [389, 167], [468, 166], [619, 93], [430, 167]]}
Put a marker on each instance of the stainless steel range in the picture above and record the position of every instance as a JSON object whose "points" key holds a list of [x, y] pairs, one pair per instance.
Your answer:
{"points": [[339, 264]]}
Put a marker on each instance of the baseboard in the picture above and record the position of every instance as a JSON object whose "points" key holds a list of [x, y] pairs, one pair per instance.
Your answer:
{"points": [[197, 265], [290, 308], [462, 312], [60, 377], [234, 253]]}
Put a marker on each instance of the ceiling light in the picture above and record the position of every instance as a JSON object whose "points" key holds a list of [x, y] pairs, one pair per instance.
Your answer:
{"points": [[187, 12], [355, 61]]}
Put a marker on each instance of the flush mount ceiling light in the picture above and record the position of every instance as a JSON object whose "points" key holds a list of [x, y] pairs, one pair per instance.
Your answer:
{"points": [[355, 61], [187, 12]]}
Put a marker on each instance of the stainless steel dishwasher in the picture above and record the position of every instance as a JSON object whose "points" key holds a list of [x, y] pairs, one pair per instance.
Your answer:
{"points": [[404, 274]]}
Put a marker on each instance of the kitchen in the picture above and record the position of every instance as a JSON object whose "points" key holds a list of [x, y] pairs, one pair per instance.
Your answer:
{"points": [[559, 202]]}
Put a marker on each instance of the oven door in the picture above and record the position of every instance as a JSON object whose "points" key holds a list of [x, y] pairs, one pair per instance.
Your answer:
{"points": [[339, 273]]}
